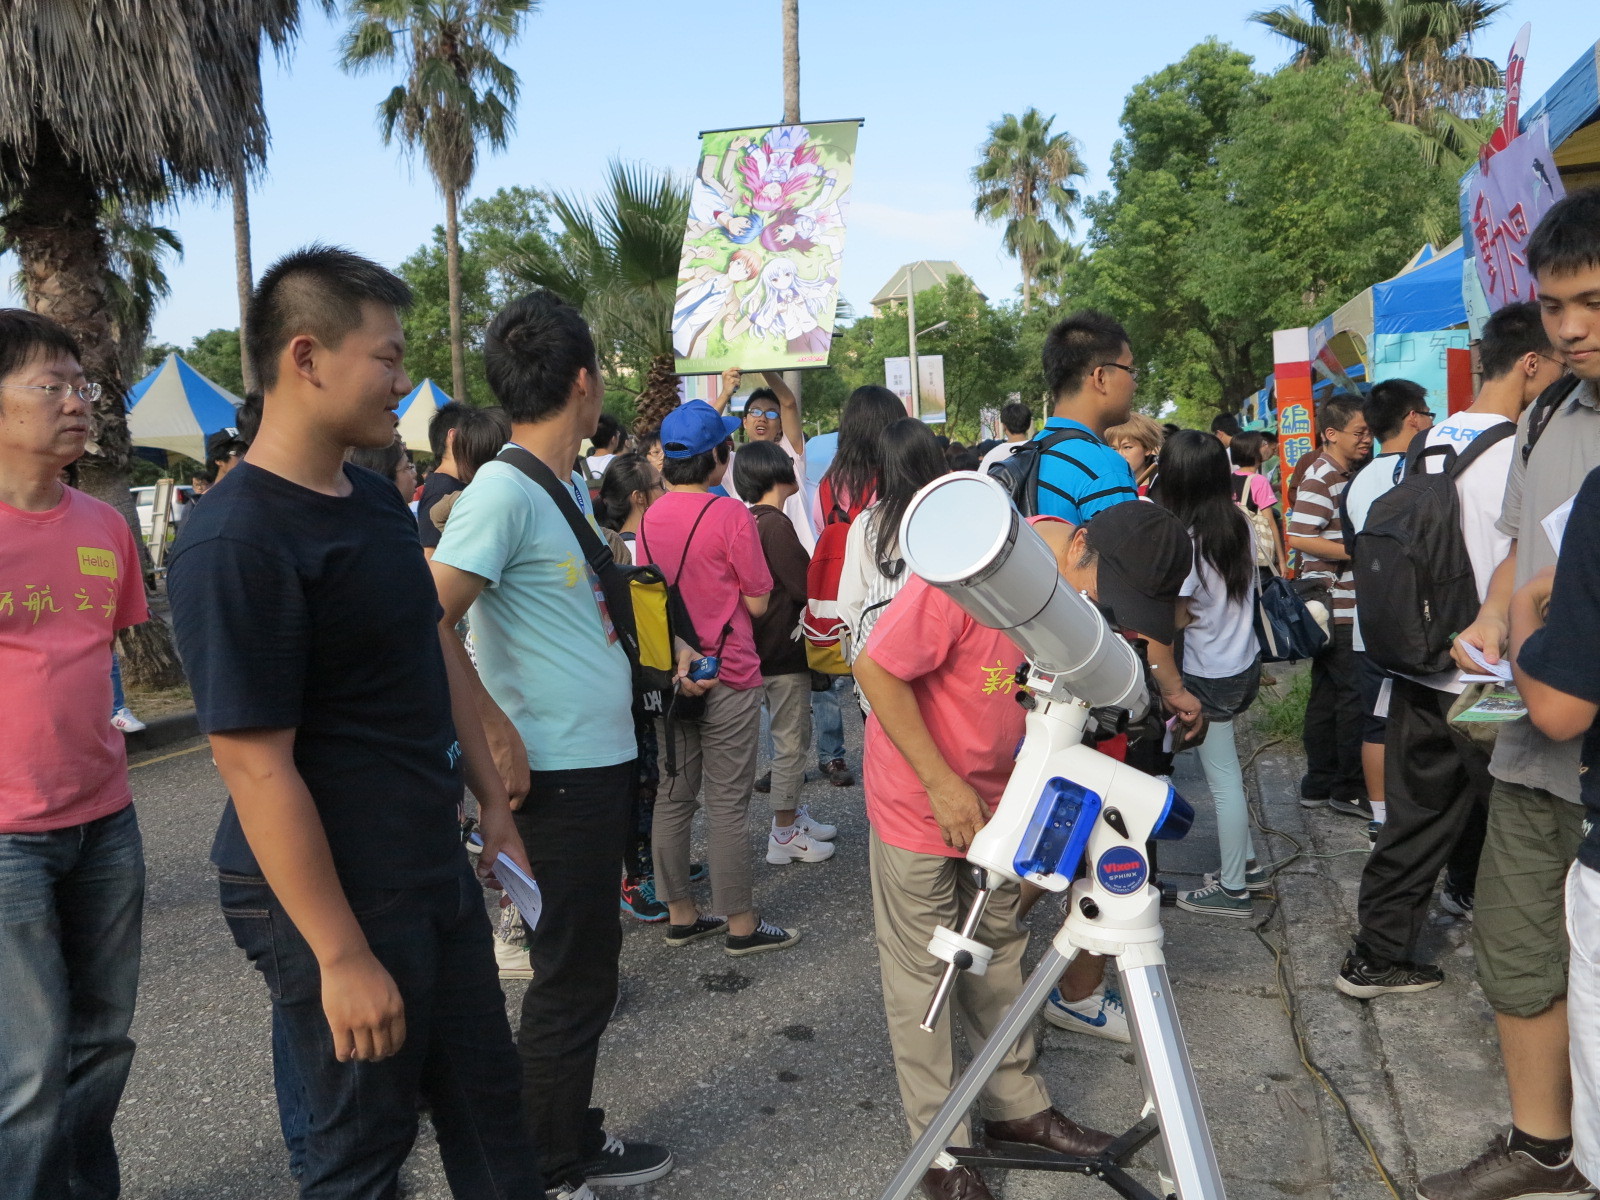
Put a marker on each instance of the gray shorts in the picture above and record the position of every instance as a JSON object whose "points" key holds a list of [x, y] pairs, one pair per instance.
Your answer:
{"points": [[1225, 699]]}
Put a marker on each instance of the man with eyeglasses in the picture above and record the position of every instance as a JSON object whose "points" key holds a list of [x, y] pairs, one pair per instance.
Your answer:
{"points": [[772, 414], [1332, 733], [71, 861]]}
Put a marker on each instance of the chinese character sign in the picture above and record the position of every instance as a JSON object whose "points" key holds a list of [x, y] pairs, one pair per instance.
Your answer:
{"points": [[759, 279], [1504, 202]]}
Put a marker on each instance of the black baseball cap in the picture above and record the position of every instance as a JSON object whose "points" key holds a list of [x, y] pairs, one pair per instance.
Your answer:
{"points": [[1145, 555]]}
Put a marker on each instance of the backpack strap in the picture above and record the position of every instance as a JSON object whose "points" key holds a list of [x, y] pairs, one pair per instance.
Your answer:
{"points": [[613, 584], [1544, 408], [1481, 445]]}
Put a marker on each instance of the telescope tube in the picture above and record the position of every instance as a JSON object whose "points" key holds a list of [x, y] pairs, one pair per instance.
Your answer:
{"points": [[964, 536]]}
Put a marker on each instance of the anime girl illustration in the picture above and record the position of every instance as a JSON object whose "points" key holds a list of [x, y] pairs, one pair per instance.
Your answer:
{"points": [[704, 297], [712, 203], [785, 304], [780, 168], [819, 223]]}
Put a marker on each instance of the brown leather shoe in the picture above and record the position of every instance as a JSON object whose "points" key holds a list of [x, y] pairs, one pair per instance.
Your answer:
{"points": [[1049, 1130], [959, 1183]]}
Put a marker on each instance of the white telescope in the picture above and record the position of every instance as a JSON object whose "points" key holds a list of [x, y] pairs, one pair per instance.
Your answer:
{"points": [[963, 535]]}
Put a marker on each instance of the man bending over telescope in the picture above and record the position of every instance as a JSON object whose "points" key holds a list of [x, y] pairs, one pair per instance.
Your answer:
{"points": [[941, 740]]}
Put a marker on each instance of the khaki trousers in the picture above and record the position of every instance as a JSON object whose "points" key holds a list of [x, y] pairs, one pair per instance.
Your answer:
{"points": [[912, 894], [789, 703], [716, 759]]}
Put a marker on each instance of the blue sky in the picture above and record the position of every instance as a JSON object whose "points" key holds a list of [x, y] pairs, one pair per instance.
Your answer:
{"points": [[638, 79]]}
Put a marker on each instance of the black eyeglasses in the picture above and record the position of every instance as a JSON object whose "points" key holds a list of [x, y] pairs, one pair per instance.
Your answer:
{"points": [[1133, 372]]}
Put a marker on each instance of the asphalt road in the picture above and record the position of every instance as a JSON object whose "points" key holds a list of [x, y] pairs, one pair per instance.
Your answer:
{"points": [[771, 1076]]}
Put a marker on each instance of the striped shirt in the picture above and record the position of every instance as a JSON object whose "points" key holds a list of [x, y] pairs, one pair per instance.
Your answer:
{"points": [[1316, 514]]}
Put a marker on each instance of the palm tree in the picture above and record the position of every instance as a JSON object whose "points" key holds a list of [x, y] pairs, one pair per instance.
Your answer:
{"points": [[136, 279], [617, 261], [457, 93], [119, 99], [1025, 179], [1416, 54]]}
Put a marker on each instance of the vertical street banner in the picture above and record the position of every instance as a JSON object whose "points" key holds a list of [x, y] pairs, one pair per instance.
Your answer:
{"points": [[1291, 367], [758, 283], [1502, 202]]}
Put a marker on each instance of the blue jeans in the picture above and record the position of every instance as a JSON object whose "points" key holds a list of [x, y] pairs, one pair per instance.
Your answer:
{"points": [[828, 719], [294, 1116], [119, 698], [71, 902], [458, 1054]]}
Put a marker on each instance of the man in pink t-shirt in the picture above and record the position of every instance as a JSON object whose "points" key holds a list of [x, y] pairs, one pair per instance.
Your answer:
{"points": [[941, 740], [71, 862]]}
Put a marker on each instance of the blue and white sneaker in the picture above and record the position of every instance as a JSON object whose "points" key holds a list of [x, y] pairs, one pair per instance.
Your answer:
{"points": [[1099, 1014]]}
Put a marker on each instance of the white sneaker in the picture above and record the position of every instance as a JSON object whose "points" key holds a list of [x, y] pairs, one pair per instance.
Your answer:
{"points": [[566, 1191], [813, 828], [799, 846], [1099, 1014], [512, 960], [124, 720]]}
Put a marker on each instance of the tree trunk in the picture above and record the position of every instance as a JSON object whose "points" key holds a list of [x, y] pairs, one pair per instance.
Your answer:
{"points": [[244, 275], [55, 231], [452, 242], [791, 62], [660, 395]]}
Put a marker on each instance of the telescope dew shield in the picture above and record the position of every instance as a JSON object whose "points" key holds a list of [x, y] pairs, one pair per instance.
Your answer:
{"points": [[964, 536]]}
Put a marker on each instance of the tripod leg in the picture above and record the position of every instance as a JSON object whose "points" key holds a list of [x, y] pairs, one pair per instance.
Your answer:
{"points": [[972, 1081], [1169, 1081]]}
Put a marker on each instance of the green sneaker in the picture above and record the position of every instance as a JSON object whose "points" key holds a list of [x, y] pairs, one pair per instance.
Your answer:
{"points": [[1217, 901], [1257, 878]]}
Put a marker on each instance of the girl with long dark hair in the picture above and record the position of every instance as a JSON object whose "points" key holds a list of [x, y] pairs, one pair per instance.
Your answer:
{"points": [[873, 570], [852, 479], [629, 486], [1221, 660]]}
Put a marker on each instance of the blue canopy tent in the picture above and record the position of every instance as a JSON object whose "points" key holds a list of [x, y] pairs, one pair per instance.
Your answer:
{"points": [[175, 408], [416, 410]]}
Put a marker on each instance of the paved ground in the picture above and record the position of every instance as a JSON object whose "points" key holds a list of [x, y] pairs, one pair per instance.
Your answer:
{"points": [[771, 1076]]}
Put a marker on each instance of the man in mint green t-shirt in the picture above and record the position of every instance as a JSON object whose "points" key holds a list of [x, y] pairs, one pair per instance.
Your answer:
{"points": [[556, 697]]}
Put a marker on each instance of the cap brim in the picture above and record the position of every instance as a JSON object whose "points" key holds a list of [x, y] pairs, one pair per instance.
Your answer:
{"points": [[1134, 610], [731, 426]]}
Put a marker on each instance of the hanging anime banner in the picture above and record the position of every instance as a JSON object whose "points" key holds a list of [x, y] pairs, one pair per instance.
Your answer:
{"points": [[759, 279]]}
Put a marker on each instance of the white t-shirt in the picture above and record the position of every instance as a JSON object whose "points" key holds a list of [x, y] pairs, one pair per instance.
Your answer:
{"points": [[1220, 639], [998, 454], [598, 464]]}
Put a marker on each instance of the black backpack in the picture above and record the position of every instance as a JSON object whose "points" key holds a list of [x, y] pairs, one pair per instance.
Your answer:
{"points": [[1414, 584], [1018, 473]]}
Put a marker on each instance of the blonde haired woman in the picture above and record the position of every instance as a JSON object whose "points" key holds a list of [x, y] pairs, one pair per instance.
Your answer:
{"points": [[1138, 439]]}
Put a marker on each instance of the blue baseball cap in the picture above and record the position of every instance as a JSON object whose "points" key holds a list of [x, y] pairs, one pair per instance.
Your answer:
{"points": [[693, 428]]}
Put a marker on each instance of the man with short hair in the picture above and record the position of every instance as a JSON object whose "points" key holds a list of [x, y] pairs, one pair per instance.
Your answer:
{"points": [[224, 449], [1088, 367], [555, 689], [1535, 823], [1016, 418], [1435, 780], [445, 478], [1396, 411], [308, 625], [71, 861], [1225, 427], [941, 738], [1332, 734], [772, 414]]}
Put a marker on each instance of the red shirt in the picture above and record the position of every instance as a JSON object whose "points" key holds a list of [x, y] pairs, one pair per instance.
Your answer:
{"points": [[69, 579], [963, 676]]}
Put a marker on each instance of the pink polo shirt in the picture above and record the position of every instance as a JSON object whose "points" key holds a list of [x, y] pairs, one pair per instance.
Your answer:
{"points": [[69, 579]]}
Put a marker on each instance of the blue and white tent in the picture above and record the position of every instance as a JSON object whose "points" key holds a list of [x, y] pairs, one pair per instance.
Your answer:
{"points": [[416, 410], [175, 408]]}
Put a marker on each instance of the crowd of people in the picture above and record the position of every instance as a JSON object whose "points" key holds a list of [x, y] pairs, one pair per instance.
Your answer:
{"points": [[366, 650]]}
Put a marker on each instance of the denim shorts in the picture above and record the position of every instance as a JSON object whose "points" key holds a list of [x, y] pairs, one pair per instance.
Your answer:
{"points": [[1224, 699]]}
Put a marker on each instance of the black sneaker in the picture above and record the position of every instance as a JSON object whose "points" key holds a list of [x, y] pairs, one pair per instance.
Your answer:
{"points": [[1361, 979], [698, 872], [627, 1164], [838, 773], [703, 927], [767, 936], [1351, 806], [764, 784], [1500, 1173]]}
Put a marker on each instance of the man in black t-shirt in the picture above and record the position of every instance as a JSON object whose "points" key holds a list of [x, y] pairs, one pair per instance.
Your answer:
{"points": [[308, 623]]}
